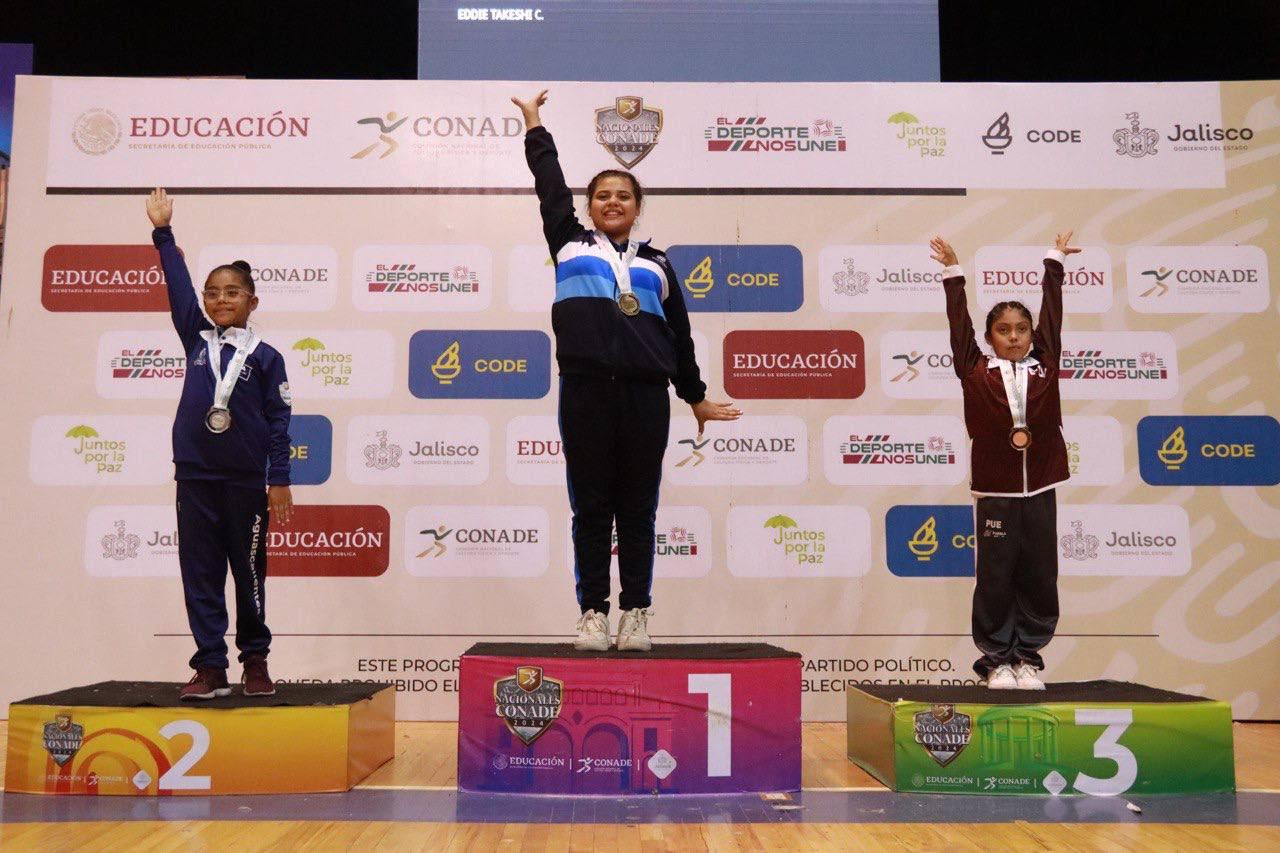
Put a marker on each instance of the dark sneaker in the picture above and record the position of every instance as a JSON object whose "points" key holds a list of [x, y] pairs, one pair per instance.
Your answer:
{"points": [[256, 680], [207, 683]]}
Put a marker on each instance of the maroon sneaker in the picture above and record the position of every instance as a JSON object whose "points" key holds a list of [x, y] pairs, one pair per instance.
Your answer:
{"points": [[256, 680], [207, 683]]}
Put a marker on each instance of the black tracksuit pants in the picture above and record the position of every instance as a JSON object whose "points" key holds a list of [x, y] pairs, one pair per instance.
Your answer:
{"points": [[615, 434], [1015, 604], [221, 523]]}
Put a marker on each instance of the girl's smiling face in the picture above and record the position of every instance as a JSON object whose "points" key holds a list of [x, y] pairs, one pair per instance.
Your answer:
{"points": [[227, 300], [613, 207]]}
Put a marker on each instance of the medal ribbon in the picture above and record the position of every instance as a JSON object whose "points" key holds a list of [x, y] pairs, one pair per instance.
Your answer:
{"points": [[1015, 375], [225, 383], [621, 264]]}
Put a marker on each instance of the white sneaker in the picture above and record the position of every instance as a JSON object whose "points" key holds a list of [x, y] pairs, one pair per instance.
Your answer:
{"points": [[1025, 673], [1002, 678], [633, 633], [593, 632]]}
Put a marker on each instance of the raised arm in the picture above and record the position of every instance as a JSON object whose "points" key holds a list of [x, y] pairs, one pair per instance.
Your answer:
{"points": [[188, 320], [1048, 333], [559, 224], [965, 353]]}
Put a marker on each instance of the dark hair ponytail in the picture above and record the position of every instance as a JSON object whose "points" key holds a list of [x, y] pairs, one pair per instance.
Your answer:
{"points": [[240, 269], [1000, 307]]}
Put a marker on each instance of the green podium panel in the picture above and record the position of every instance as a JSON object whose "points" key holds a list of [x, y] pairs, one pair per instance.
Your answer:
{"points": [[1101, 738]]}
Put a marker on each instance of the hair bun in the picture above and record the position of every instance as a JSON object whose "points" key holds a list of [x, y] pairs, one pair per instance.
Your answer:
{"points": [[243, 265]]}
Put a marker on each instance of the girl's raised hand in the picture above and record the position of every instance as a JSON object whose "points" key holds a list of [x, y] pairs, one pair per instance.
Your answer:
{"points": [[943, 253], [530, 109], [159, 208], [1060, 242]]}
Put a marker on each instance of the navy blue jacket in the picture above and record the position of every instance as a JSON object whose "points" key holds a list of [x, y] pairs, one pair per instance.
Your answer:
{"points": [[256, 448], [593, 336]]}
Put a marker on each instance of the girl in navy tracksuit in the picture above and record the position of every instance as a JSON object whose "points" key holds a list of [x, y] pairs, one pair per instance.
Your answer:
{"points": [[622, 333], [225, 452], [1013, 413]]}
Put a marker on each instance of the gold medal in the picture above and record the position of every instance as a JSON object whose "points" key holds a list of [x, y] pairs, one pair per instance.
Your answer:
{"points": [[629, 304]]}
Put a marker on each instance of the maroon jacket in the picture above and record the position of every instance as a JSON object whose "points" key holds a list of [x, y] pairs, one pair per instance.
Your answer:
{"points": [[996, 468]]}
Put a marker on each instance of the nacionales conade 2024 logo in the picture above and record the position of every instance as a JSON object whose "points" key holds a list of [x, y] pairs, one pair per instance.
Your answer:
{"points": [[528, 702]]}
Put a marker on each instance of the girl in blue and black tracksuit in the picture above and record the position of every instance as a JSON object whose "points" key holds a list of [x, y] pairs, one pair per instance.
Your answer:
{"points": [[225, 453], [622, 332]]}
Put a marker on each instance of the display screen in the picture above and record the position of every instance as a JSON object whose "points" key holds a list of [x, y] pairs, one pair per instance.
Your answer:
{"points": [[666, 40]]}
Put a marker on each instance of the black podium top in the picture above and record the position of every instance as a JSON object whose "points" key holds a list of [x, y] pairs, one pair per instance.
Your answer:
{"points": [[1065, 691], [661, 651], [164, 694]]}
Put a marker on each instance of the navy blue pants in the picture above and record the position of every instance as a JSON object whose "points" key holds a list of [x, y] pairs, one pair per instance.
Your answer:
{"points": [[1015, 603], [221, 523], [615, 435]]}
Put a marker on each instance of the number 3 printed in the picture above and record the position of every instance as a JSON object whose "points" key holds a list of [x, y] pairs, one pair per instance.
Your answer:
{"points": [[1117, 721]]}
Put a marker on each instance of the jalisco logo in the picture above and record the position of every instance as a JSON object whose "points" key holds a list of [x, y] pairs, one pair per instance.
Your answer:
{"points": [[147, 363], [804, 546], [104, 455], [121, 545], [756, 134], [63, 738], [455, 131], [850, 281], [96, 131], [999, 136], [628, 130], [1209, 137], [528, 702], [1135, 141], [407, 278], [382, 454], [1078, 545], [330, 367], [929, 139], [881, 449], [942, 732]]}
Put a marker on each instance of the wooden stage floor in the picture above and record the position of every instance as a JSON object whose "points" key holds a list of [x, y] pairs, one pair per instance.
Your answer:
{"points": [[844, 809]]}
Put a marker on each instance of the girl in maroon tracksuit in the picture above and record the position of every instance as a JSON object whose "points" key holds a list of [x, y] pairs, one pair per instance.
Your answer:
{"points": [[1013, 414]]}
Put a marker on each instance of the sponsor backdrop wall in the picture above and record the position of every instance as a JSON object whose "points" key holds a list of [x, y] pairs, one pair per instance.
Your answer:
{"points": [[403, 275]]}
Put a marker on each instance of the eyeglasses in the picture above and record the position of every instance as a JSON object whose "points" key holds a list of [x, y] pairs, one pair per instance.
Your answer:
{"points": [[233, 294]]}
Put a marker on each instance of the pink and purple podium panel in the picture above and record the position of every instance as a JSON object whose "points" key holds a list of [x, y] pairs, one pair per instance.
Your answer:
{"points": [[711, 718]]}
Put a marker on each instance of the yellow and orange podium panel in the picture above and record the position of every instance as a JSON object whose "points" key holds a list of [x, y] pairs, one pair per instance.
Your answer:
{"points": [[136, 738]]}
